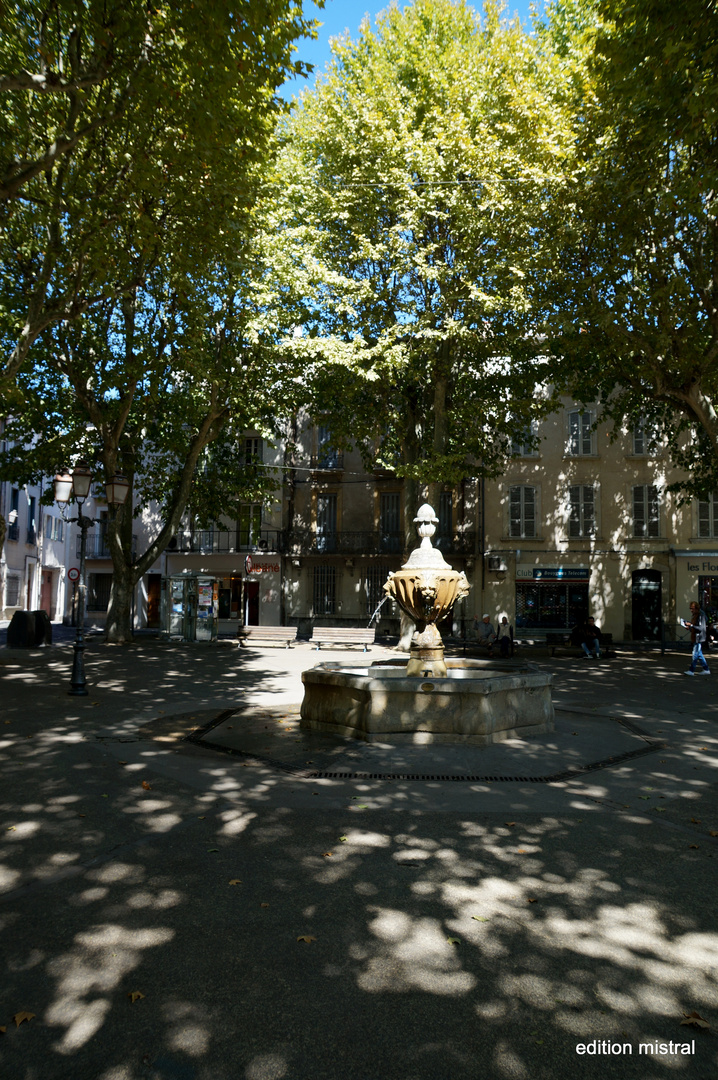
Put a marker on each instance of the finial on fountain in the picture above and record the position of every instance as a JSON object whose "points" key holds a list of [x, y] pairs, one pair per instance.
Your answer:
{"points": [[426, 522]]}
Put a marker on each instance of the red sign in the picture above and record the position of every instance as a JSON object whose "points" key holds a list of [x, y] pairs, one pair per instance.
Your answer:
{"points": [[73, 573], [252, 567]]}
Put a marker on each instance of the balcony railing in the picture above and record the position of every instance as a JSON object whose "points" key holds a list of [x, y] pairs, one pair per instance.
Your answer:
{"points": [[31, 537], [13, 531], [216, 542], [327, 459], [97, 547], [307, 542]]}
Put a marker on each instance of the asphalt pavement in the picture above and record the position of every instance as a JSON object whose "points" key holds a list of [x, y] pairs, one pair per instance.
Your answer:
{"points": [[191, 888]]}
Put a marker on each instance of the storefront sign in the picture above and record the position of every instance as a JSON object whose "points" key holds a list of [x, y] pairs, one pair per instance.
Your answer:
{"points": [[252, 567], [552, 573], [705, 566]]}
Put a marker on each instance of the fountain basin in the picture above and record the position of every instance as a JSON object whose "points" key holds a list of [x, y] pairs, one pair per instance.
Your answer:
{"points": [[476, 703]]}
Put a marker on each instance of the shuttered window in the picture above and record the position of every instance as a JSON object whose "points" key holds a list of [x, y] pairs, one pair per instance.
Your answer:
{"points": [[580, 435], [522, 511], [582, 515], [708, 516], [646, 510]]}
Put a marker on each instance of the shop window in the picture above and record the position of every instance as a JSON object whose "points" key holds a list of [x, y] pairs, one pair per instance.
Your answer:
{"points": [[522, 511], [708, 516], [99, 587], [581, 437], [646, 510], [550, 606], [325, 590], [582, 510]]}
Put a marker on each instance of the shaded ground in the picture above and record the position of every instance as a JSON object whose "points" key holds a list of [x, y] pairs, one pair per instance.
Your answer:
{"points": [[581, 911]]}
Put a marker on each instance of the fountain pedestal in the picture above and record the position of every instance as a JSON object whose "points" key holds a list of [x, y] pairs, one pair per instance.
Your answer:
{"points": [[426, 588], [428, 699]]}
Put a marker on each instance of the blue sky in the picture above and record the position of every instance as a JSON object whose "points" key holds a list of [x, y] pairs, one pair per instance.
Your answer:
{"points": [[340, 15]]}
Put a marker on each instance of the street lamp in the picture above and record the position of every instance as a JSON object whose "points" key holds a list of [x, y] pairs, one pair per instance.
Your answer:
{"points": [[78, 484]]}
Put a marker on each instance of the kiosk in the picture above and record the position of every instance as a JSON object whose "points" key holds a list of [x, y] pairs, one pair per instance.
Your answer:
{"points": [[190, 606]]}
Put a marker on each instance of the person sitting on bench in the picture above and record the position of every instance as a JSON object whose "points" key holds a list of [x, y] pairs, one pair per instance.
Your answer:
{"points": [[591, 643], [485, 633]]}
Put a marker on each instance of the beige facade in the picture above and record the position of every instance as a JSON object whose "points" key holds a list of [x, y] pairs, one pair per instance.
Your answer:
{"points": [[583, 525]]}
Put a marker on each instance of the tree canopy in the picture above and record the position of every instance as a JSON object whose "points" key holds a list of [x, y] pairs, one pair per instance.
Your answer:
{"points": [[630, 302], [409, 179]]}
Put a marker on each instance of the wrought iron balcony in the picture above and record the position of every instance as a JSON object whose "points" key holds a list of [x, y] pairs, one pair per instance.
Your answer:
{"points": [[97, 547], [331, 460], [13, 531], [219, 542], [308, 542], [31, 537]]}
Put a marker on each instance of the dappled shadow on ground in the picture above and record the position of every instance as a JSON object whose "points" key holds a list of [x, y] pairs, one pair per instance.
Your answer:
{"points": [[437, 946], [566, 926]]}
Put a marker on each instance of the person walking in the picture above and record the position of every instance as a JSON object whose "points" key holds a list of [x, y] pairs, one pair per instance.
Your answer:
{"points": [[697, 627]]}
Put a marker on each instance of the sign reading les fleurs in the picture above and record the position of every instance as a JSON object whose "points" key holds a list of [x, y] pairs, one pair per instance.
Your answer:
{"points": [[252, 567]]}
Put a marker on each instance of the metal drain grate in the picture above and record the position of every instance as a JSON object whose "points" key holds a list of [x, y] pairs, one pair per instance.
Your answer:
{"points": [[316, 774]]}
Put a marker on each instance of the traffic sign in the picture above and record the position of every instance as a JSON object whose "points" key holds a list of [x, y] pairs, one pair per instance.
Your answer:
{"points": [[74, 574]]}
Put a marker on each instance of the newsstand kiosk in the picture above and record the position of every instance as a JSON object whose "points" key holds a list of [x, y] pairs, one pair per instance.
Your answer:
{"points": [[190, 606]]}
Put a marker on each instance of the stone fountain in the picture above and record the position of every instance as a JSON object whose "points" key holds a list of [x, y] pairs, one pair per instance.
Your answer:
{"points": [[428, 698]]}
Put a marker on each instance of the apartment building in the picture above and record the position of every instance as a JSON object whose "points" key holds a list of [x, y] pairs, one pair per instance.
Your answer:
{"points": [[34, 556], [580, 525]]}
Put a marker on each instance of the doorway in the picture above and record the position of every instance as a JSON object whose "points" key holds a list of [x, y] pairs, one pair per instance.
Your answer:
{"points": [[154, 593], [46, 592], [251, 603], [646, 602]]}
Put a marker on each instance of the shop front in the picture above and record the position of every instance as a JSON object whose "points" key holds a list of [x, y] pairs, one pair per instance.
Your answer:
{"points": [[248, 587], [697, 579], [551, 597]]}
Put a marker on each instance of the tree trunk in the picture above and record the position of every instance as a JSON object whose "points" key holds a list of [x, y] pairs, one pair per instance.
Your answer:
{"points": [[411, 496], [118, 627], [440, 442]]}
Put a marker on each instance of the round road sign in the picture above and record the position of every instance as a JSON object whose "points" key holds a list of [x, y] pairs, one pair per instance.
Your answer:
{"points": [[73, 573]]}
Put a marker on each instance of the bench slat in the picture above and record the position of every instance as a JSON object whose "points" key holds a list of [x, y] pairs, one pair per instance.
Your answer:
{"points": [[286, 634]]}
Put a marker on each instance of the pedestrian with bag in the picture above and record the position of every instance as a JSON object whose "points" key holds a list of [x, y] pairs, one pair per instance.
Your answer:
{"points": [[697, 627]]}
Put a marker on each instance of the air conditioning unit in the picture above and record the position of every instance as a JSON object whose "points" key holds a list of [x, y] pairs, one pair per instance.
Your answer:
{"points": [[495, 562]]}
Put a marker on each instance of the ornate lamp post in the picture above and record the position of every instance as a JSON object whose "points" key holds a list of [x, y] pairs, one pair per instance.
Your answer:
{"points": [[77, 484]]}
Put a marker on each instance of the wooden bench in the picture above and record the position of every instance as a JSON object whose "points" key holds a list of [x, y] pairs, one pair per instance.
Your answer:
{"points": [[342, 635], [559, 640], [278, 635]]}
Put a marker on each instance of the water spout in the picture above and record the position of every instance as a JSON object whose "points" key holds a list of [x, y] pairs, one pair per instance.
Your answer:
{"points": [[380, 605]]}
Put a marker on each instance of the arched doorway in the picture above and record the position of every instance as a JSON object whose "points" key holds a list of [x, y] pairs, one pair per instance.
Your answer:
{"points": [[646, 605]]}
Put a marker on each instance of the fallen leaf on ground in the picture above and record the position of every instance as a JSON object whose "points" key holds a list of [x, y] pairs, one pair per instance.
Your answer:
{"points": [[509, 823], [3, 1029], [342, 839], [21, 1016], [713, 832], [211, 849], [694, 1019], [11, 828], [82, 815], [146, 786], [480, 918], [522, 851], [235, 881], [326, 854], [105, 796], [695, 846], [307, 938], [454, 940], [135, 995], [264, 905], [696, 820], [201, 818], [122, 763], [532, 900]]}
